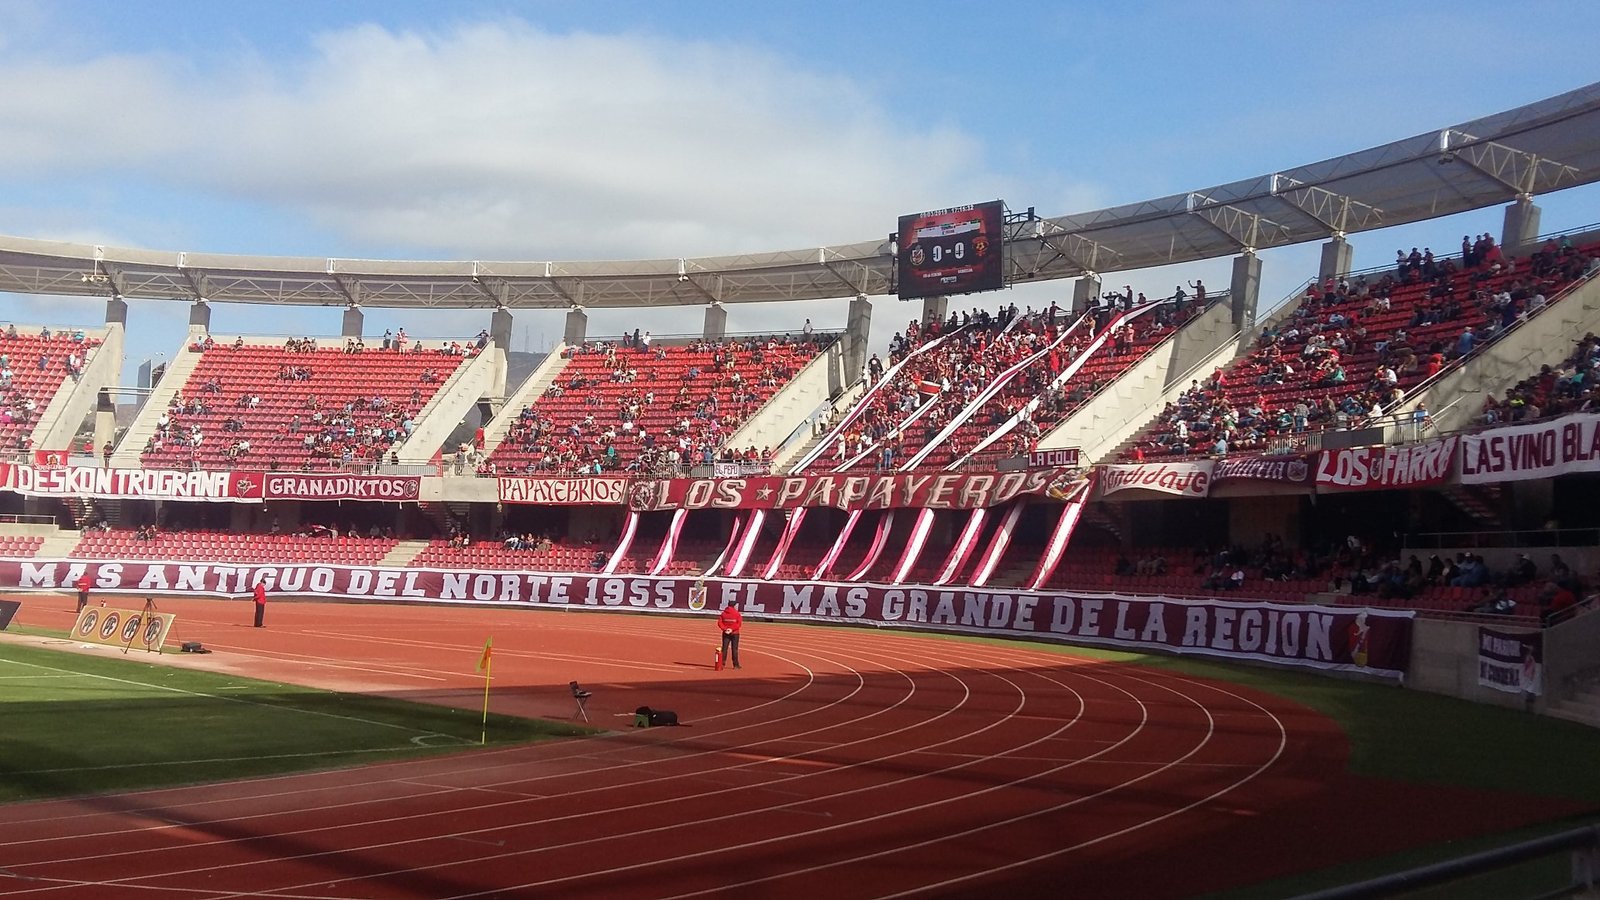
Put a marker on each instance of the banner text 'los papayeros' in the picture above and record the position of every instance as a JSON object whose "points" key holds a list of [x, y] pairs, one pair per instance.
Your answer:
{"points": [[1376, 641], [941, 490]]}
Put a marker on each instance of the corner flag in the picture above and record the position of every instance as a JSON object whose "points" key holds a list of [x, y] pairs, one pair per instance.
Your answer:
{"points": [[485, 663]]}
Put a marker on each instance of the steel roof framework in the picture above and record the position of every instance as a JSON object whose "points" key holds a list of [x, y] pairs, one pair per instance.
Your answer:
{"points": [[1545, 146]]}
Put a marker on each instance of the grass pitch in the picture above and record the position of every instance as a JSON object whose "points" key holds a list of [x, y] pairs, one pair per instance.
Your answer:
{"points": [[79, 724]]}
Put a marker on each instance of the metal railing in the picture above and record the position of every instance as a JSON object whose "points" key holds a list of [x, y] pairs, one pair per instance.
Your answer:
{"points": [[1583, 844], [1575, 538]]}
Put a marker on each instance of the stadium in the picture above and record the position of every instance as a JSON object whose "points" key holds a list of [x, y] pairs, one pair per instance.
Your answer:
{"points": [[1141, 592]]}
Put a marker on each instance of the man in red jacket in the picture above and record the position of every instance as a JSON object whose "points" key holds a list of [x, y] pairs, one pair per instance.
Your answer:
{"points": [[730, 622], [83, 586]]}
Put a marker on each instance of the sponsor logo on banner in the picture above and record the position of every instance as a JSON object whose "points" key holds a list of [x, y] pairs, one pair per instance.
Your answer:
{"points": [[154, 484], [1542, 450], [1511, 661], [1378, 468], [305, 486], [1067, 457], [1277, 469], [600, 490], [1185, 479], [1344, 638], [944, 490]]}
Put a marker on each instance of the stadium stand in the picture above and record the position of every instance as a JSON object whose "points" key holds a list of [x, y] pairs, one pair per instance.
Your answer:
{"points": [[1127, 345], [34, 363], [297, 405], [230, 546], [1353, 348], [645, 406]]}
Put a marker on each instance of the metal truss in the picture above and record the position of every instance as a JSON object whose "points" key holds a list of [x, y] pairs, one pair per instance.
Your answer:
{"points": [[1544, 146]]}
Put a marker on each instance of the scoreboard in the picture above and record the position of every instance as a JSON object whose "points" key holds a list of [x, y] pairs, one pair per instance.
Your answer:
{"points": [[951, 251]]}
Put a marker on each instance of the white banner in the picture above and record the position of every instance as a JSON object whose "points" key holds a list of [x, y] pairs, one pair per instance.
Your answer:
{"points": [[1184, 479], [1541, 450]]}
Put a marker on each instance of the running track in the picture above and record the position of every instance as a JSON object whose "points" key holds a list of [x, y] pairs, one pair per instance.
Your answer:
{"points": [[842, 763]]}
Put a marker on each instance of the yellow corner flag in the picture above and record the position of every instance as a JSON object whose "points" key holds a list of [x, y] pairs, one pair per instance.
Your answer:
{"points": [[485, 664]]}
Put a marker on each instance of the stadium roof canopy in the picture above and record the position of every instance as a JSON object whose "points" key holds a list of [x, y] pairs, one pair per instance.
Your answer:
{"points": [[1535, 149]]}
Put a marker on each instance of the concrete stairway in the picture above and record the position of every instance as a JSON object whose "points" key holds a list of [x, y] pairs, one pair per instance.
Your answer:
{"points": [[402, 554]]}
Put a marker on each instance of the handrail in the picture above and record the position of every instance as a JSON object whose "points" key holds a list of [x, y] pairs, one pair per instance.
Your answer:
{"points": [[1411, 880]]}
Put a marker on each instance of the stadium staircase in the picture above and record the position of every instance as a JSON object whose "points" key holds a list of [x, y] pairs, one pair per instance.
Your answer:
{"points": [[403, 553], [65, 408], [535, 385], [1480, 501], [181, 364], [1120, 410], [443, 412], [795, 402]]}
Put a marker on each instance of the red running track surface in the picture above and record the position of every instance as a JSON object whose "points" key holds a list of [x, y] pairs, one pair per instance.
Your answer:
{"points": [[846, 763]]}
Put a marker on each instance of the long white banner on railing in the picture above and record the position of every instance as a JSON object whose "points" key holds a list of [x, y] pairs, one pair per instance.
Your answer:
{"points": [[1324, 637], [1524, 452]]}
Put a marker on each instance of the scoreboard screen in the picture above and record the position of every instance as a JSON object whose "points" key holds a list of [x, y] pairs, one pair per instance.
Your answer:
{"points": [[951, 251]]}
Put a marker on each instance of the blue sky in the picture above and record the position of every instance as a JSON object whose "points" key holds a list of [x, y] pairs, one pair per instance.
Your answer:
{"points": [[568, 130]]}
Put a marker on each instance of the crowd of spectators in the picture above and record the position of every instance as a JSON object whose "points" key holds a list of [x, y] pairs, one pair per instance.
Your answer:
{"points": [[1571, 386], [638, 405], [333, 424], [32, 367], [932, 387], [1321, 367]]}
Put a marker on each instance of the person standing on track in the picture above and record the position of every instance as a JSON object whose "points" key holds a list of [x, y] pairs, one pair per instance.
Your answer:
{"points": [[730, 622], [83, 585], [261, 603]]}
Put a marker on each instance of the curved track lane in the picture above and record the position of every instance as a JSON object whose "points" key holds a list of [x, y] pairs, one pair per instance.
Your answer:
{"points": [[875, 764]]}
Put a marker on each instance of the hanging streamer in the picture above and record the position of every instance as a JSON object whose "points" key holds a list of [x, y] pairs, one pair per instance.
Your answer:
{"points": [[997, 546]]}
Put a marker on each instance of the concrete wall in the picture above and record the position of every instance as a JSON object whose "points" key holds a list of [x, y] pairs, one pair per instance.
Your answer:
{"points": [[76, 399], [1124, 408], [1444, 660], [455, 398]]}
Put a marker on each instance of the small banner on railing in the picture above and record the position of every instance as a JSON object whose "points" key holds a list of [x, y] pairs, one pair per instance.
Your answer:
{"points": [[1511, 661]]}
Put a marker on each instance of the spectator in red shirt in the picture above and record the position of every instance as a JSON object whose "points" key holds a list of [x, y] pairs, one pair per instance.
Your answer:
{"points": [[730, 622]]}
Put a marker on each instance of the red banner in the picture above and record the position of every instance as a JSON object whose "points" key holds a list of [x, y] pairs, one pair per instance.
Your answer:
{"points": [[50, 459], [941, 490], [309, 486], [155, 484], [1387, 468], [599, 490], [1345, 638]]}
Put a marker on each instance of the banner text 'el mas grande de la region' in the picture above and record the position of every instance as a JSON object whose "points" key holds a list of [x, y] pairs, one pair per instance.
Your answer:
{"points": [[1369, 640]]}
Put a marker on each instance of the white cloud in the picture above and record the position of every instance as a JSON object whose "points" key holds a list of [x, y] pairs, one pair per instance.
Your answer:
{"points": [[498, 139]]}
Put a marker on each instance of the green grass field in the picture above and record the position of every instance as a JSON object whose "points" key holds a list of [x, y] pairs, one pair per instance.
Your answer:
{"points": [[78, 724]]}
